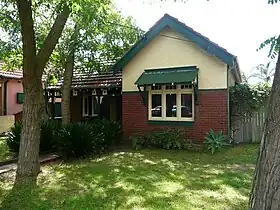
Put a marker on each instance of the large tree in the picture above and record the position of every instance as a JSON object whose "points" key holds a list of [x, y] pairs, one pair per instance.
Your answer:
{"points": [[100, 36], [41, 24], [34, 61], [265, 193], [35, 54]]}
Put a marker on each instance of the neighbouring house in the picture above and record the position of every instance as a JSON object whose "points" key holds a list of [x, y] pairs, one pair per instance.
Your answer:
{"points": [[93, 96], [11, 98], [175, 76], [11, 92]]}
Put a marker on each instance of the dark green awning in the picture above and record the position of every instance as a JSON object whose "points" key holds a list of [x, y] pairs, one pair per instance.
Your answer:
{"points": [[167, 76]]}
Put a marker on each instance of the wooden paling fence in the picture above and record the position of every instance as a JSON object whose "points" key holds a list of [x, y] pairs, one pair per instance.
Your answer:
{"points": [[249, 129]]}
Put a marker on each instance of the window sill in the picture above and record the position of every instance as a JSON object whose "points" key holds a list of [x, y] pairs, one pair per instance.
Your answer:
{"points": [[176, 123]]}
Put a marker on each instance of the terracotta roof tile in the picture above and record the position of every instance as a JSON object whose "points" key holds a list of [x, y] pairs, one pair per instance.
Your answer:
{"points": [[11, 74], [93, 80]]}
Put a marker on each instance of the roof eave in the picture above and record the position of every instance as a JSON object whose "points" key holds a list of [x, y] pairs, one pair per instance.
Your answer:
{"points": [[236, 70]]}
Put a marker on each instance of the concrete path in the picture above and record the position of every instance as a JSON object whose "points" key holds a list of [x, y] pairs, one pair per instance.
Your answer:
{"points": [[43, 159]]}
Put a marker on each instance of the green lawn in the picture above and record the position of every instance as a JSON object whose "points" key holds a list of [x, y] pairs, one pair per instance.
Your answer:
{"points": [[4, 153], [146, 179]]}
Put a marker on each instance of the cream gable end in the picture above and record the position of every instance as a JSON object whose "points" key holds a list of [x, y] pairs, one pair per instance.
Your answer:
{"points": [[171, 49]]}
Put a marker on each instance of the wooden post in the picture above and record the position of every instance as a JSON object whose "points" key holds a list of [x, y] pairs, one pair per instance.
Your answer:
{"points": [[53, 104]]}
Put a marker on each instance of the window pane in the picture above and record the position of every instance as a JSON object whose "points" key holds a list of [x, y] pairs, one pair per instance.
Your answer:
{"points": [[90, 106], [186, 105], [170, 87], [186, 86], [95, 105], [156, 87], [86, 106], [156, 105], [171, 105]]}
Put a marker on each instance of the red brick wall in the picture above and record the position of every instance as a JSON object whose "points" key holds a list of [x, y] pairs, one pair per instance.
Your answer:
{"points": [[210, 113]]}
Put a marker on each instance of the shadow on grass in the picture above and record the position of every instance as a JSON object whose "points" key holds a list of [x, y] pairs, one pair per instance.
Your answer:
{"points": [[150, 179], [4, 150], [21, 197]]}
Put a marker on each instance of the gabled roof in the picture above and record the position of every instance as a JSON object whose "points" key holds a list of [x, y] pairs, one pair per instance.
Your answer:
{"points": [[173, 23]]}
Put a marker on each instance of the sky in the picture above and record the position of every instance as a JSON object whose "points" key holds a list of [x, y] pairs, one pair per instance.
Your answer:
{"points": [[240, 26]]}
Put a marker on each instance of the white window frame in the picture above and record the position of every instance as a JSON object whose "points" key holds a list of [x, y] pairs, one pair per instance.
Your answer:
{"points": [[178, 91], [92, 107]]}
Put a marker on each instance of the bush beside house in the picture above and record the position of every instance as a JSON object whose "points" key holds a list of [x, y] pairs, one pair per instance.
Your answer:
{"points": [[75, 140], [169, 139]]}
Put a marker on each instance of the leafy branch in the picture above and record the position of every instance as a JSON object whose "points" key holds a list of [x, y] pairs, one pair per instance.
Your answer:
{"points": [[246, 99]]}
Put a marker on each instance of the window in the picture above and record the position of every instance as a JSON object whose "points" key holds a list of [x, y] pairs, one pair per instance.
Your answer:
{"points": [[20, 98], [171, 102], [89, 106]]}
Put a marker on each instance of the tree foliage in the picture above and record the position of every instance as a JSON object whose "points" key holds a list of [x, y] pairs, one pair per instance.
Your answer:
{"points": [[246, 99], [103, 36], [264, 73], [274, 45]]}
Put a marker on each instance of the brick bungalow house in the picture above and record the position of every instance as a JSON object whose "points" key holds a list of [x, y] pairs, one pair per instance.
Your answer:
{"points": [[174, 76]]}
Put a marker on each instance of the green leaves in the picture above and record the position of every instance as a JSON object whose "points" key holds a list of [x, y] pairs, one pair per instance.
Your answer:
{"points": [[274, 44], [245, 99], [168, 139], [273, 1], [104, 35], [214, 140], [264, 73]]}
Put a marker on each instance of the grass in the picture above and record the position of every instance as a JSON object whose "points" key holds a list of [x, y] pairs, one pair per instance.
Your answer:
{"points": [[146, 179], [4, 152]]}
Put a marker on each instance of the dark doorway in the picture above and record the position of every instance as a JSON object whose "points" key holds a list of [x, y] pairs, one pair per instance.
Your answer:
{"points": [[110, 108]]}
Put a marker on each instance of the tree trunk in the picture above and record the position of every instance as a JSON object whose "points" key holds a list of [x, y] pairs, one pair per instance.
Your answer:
{"points": [[33, 66], [265, 193], [28, 163], [66, 89], [45, 114], [67, 80]]}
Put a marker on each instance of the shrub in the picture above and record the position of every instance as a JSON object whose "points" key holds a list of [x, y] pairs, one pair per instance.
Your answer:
{"points": [[166, 139], [138, 141], [81, 139], [76, 140], [13, 139], [47, 142], [49, 129], [112, 131], [214, 140]]}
